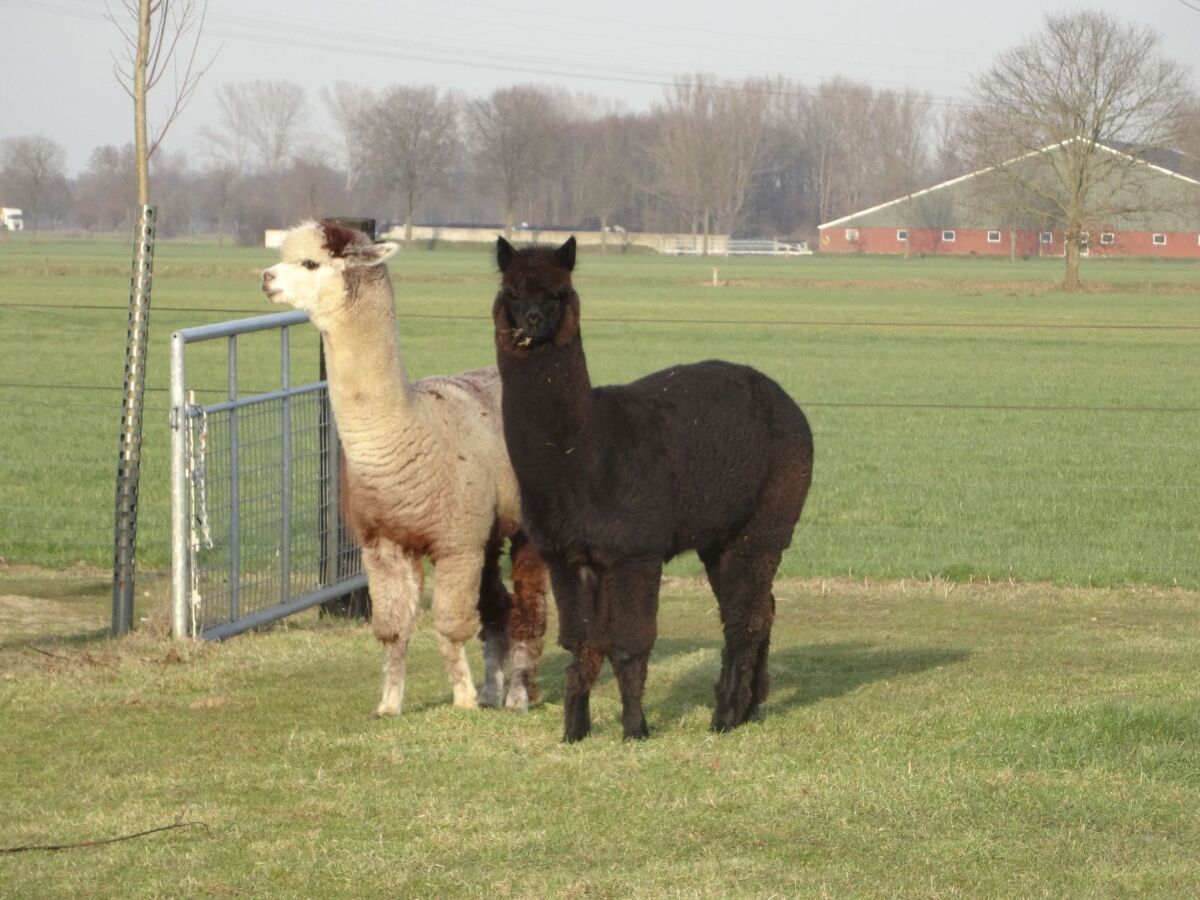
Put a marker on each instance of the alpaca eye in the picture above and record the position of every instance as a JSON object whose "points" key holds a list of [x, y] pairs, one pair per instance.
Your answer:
{"points": [[310, 264]]}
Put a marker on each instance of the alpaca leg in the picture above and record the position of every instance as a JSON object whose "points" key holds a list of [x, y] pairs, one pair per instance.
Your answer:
{"points": [[395, 579], [527, 622], [575, 594], [741, 574], [630, 593], [455, 618], [742, 580], [494, 613]]}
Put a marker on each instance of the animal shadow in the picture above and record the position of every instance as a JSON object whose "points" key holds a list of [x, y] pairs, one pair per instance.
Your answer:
{"points": [[807, 674]]}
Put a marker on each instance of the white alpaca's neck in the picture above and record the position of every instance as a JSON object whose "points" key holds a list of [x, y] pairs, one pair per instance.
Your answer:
{"points": [[368, 388]]}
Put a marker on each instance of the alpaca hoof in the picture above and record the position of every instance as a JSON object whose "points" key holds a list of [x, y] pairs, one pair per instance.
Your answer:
{"points": [[465, 701], [638, 734], [572, 738], [491, 698], [384, 712], [518, 697], [724, 721]]}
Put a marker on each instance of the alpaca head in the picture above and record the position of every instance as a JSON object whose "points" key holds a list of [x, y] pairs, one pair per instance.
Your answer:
{"points": [[536, 303], [323, 269]]}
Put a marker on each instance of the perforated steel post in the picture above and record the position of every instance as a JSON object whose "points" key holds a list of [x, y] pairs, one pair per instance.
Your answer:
{"points": [[129, 457]]}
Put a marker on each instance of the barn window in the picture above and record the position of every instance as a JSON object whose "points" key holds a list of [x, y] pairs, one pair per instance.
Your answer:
{"points": [[902, 234], [1107, 238], [1160, 240], [852, 234], [948, 237], [993, 237], [1045, 237]]}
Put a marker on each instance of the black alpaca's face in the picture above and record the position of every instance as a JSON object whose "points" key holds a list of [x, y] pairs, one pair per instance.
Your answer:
{"points": [[535, 289]]}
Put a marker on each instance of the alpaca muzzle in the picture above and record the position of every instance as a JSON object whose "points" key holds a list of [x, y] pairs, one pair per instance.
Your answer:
{"points": [[268, 285]]}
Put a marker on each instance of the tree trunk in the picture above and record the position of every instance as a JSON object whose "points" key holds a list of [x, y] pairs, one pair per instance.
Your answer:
{"points": [[706, 228], [1012, 245], [604, 234], [140, 144], [408, 219], [1071, 281]]}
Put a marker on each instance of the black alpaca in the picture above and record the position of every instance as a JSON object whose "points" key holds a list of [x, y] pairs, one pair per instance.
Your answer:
{"points": [[616, 480]]}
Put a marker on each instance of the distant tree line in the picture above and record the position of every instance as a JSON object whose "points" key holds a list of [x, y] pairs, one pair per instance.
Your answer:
{"points": [[755, 157]]}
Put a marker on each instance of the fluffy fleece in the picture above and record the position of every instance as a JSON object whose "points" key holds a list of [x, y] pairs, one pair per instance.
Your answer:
{"points": [[426, 475], [615, 480]]}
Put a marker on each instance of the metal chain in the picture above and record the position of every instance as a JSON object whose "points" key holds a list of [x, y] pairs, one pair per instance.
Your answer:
{"points": [[198, 530]]}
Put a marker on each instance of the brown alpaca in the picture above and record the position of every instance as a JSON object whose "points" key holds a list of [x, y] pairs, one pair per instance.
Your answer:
{"points": [[614, 480], [427, 475]]}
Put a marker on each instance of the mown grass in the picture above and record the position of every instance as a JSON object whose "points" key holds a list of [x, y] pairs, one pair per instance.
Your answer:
{"points": [[971, 421], [921, 739]]}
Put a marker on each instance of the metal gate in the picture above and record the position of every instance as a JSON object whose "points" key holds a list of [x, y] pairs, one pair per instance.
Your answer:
{"points": [[255, 530]]}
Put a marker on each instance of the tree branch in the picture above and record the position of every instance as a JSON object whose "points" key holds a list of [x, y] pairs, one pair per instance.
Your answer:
{"points": [[25, 848]]}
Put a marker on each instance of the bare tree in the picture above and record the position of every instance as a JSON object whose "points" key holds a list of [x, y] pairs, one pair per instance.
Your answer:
{"points": [[866, 145], [712, 144], [683, 151], [516, 131], [606, 177], [1048, 113], [346, 104], [227, 143], [31, 171], [156, 35], [412, 137], [837, 134], [260, 117], [106, 192], [741, 116]]}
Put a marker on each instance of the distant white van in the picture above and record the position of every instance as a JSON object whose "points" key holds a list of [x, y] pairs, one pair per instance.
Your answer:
{"points": [[11, 219]]}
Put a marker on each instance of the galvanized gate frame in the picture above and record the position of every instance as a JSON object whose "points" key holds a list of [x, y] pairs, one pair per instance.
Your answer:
{"points": [[183, 482]]}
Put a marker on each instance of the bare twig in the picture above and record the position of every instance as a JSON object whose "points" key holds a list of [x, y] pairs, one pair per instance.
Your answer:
{"points": [[97, 843], [46, 652]]}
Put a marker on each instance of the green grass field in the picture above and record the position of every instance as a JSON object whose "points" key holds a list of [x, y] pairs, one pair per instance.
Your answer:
{"points": [[922, 739], [970, 420], [983, 667]]}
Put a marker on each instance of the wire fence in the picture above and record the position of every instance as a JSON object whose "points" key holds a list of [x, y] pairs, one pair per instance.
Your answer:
{"points": [[1129, 511], [261, 510]]}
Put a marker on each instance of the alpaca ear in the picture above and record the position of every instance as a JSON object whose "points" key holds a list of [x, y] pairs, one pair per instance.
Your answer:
{"points": [[568, 323], [370, 254], [504, 253], [566, 254]]}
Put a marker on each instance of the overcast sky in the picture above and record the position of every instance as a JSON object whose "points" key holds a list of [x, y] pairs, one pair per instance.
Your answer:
{"points": [[55, 65]]}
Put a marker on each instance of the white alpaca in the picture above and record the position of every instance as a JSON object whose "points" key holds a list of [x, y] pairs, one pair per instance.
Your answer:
{"points": [[426, 474]]}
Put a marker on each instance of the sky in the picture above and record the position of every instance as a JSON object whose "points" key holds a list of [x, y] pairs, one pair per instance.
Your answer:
{"points": [[56, 58]]}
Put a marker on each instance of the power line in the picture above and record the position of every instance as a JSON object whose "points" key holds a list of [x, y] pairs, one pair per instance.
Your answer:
{"points": [[361, 44], [674, 27]]}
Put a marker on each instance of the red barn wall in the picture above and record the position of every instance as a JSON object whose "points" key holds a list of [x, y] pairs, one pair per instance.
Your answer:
{"points": [[1179, 245]]}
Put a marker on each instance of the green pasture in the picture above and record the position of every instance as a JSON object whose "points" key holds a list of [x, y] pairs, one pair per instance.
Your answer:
{"points": [[922, 739], [971, 421]]}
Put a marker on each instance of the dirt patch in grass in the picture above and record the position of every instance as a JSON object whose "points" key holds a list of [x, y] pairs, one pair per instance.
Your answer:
{"points": [[29, 619]]}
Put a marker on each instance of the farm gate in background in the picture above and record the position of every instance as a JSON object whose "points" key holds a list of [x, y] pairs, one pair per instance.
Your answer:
{"points": [[255, 530]]}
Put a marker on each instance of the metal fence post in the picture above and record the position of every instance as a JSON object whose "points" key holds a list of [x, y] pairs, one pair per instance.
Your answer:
{"points": [[285, 467], [335, 546], [235, 486], [129, 457], [180, 513]]}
